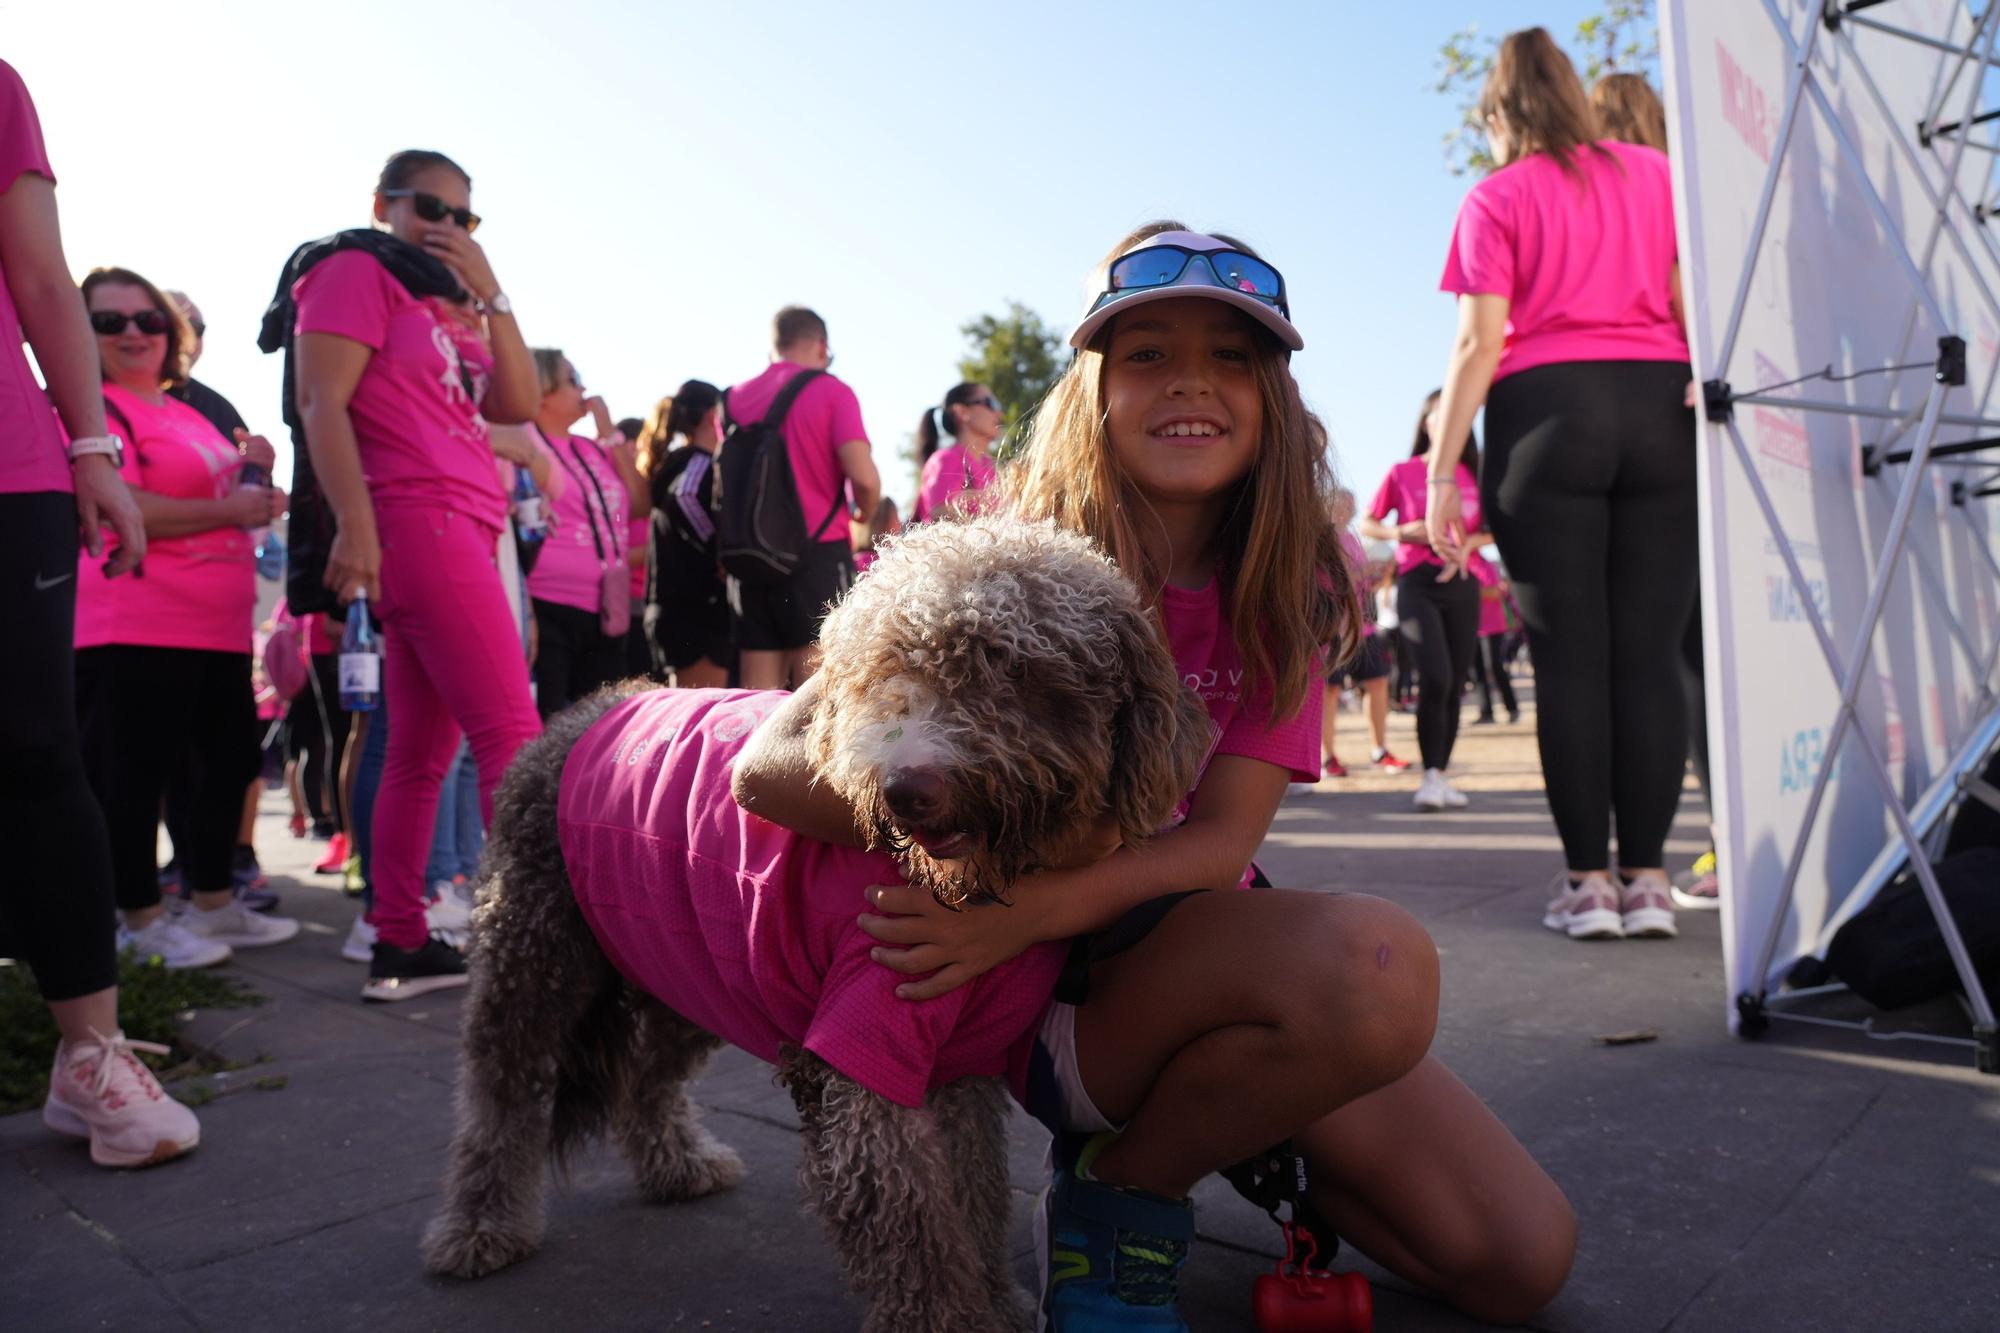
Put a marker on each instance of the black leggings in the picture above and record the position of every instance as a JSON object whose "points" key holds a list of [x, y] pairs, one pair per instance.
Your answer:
{"points": [[317, 726], [1589, 488], [1489, 666], [144, 711], [573, 656], [1440, 623], [55, 900]]}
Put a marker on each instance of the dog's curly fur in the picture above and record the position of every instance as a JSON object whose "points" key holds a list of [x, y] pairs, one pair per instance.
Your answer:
{"points": [[1021, 665]]}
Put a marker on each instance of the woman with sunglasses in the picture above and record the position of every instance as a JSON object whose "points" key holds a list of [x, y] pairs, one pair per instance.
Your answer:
{"points": [[581, 583], [163, 665], [59, 488], [1589, 478], [955, 476], [395, 391]]}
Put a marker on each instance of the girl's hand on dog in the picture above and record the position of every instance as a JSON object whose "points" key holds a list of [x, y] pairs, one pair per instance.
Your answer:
{"points": [[918, 934]]}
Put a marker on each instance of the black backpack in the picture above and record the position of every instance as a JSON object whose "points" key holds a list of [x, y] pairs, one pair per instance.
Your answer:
{"points": [[760, 530]]}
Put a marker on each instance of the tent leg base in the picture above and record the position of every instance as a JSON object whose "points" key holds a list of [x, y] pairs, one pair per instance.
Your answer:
{"points": [[1986, 1049], [1751, 1020]]}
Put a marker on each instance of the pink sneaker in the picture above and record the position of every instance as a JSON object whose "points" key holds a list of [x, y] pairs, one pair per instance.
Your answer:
{"points": [[101, 1091], [1587, 910], [1647, 907]]}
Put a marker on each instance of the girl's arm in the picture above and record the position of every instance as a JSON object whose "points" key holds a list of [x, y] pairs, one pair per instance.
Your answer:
{"points": [[774, 779], [1475, 354], [329, 367], [1227, 820]]}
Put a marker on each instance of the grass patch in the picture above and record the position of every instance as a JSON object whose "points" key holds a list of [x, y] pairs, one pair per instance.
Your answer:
{"points": [[151, 1002]]}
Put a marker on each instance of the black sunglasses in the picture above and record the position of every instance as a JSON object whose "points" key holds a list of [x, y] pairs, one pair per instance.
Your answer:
{"points": [[988, 401], [111, 323], [433, 209]]}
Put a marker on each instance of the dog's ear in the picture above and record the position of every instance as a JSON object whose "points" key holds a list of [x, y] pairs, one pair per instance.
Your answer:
{"points": [[1162, 731]]}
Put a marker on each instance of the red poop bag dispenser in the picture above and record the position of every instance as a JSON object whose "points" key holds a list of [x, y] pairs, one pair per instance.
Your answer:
{"points": [[1303, 1295]]}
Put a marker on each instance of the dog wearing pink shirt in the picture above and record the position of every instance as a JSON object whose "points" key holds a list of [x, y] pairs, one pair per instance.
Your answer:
{"points": [[994, 697]]}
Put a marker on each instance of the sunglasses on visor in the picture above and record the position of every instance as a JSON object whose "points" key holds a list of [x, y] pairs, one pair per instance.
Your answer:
{"points": [[111, 323], [1165, 265], [433, 209]]}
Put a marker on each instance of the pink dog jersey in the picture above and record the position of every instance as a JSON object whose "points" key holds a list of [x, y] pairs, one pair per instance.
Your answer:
{"points": [[749, 929]]}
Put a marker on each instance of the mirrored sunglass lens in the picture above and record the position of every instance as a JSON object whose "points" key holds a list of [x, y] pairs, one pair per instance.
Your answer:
{"points": [[1147, 268], [1246, 274]]}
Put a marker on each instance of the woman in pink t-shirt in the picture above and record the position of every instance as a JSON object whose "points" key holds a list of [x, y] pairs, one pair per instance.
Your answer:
{"points": [[163, 662], [395, 392], [59, 488], [1195, 1028], [957, 475], [582, 569], [1567, 278], [1437, 601]]}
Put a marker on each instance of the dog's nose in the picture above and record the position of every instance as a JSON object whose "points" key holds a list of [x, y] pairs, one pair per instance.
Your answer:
{"points": [[915, 796]]}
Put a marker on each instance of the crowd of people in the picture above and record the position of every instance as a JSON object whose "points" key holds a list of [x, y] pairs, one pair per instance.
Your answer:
{"points": [[514, 563]]}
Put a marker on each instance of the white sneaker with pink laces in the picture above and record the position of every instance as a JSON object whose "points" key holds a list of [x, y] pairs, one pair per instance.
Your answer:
{"points": [[1647, 907], [1585, 910], [101, 1091]]}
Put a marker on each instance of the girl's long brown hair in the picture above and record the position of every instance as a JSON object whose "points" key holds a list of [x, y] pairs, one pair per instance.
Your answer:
{"points": [[1534, 90], [1629, 111], [1285, 577]]}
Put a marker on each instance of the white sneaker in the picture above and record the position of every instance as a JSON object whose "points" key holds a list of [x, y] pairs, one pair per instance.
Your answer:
{"points": [[1586, 910], [100, 1091], [1647, 907], [451, 910], [168, 939], [1431, 791], [239, 927], [1453, 797], [360, 945]]}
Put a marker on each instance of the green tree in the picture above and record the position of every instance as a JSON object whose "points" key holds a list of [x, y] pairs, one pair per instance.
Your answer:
{"points": [[1623, 37]]}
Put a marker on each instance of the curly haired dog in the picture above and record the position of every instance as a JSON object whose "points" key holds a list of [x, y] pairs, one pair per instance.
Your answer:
{"points": [[991, 694]]}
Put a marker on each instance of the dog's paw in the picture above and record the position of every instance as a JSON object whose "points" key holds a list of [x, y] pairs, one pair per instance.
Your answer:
{"points": [[453, 1247], [707, 1169]]}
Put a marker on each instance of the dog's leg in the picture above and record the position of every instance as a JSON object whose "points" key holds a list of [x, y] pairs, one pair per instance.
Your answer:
{"points": [[878, 1176], [673, 1156], [972, 1115]]}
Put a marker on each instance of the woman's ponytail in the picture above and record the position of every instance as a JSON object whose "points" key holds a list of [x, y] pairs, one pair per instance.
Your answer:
{"points": [[927, 435]]}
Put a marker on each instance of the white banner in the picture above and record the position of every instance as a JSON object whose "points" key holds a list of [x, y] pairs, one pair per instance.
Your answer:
{"points": [[1830, 287]]}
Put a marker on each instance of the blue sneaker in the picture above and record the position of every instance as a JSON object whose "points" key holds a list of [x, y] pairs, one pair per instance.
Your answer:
{"points": [[1110, 1257]]}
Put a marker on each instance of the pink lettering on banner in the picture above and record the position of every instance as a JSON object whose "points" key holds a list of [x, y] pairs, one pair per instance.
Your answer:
{"points": [[1744, 104], [1779, 434], [1894, 742]]}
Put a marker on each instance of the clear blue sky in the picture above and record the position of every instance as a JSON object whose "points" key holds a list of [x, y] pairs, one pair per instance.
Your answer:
{"points": [[658, 179]]}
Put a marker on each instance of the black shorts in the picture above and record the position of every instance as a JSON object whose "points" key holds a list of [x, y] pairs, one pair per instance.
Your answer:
{"points": [[683, 631], [1370, 662], [783, 617]]}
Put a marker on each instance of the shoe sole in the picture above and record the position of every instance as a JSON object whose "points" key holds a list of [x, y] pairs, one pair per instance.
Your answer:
{"points": [[63, 1120], [390, 990], [255, 941], [1431, 806], [1599, 923], [1650, 923], [1689, 902]]}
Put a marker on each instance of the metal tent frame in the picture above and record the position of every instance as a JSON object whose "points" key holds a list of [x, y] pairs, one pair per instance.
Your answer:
{"points": [[1905, 456]]}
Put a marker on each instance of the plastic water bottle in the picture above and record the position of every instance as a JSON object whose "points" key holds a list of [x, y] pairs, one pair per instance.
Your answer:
{"points": [[270, 551], [360, 660], [529, 521]]}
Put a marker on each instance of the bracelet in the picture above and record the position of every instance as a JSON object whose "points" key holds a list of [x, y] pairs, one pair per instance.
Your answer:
{"points": [[1441, 481]]}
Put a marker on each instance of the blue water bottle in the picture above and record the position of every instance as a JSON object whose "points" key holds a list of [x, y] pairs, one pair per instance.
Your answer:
{"points": [[270, 551], [529, 521], [360, 660]]}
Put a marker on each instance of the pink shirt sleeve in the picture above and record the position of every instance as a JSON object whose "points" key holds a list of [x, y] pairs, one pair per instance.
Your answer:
{"points": [[1290, 743], [1481, 259], [21, 147], [1384, 503], [888, 1044], [844, 417], [348, 294], [940, 479]]}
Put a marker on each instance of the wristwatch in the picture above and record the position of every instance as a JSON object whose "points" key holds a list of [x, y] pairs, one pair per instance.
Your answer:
{"points": [[499, 305], [109, 445]]}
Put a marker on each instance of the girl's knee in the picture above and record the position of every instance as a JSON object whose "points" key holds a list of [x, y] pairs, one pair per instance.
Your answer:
{"points": [[1366, 972]]}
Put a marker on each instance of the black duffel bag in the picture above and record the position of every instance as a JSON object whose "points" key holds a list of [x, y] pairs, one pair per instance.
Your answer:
{"points": [[1892, 953]]}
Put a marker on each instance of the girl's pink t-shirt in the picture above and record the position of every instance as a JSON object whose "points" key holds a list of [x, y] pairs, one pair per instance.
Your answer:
{"points": [[748, 928], [416, 410], [569, 571], [33, 452], [944, 482], [1585, 264], [1405, 494], [198, 591]]}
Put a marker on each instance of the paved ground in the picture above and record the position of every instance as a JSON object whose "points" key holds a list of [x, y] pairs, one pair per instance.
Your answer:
{"points": [[1810, 1182]]}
